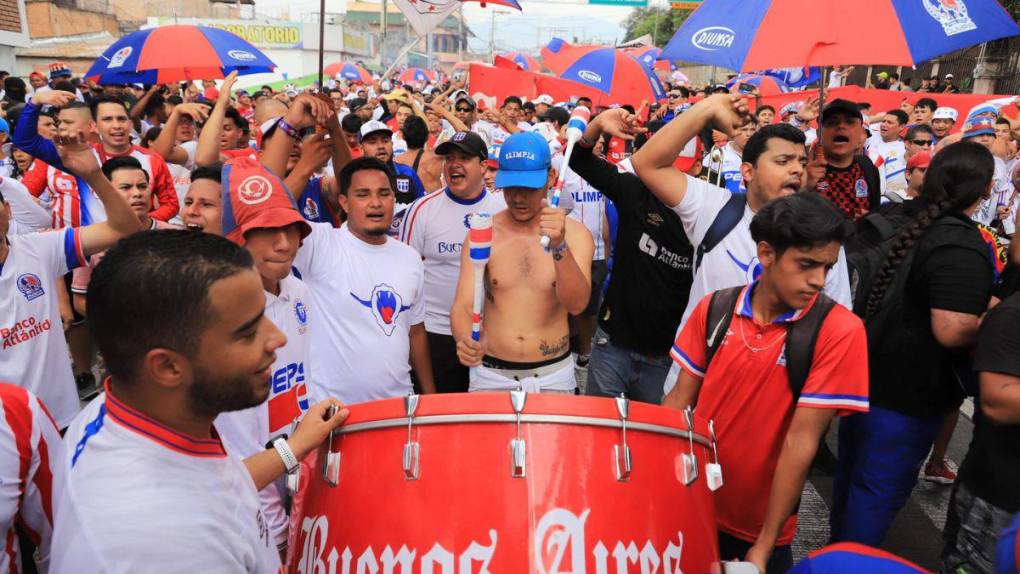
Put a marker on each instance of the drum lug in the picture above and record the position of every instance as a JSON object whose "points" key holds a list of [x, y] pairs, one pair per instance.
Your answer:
{"points": [[621, 452], [331, 462], [518, 447], [690, 460], [713, 470], [412, 449]]}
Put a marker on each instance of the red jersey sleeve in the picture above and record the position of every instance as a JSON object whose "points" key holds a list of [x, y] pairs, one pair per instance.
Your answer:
{"points": [[689, 349], [35, 178], [839, 369], [163, 188]]}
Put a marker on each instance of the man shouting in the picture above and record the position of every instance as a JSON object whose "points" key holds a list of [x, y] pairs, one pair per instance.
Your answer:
{"points": [[528, 290]]}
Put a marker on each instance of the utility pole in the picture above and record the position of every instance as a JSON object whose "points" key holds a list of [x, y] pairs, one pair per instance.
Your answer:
{"points": [[460, 34], [382, 42]]}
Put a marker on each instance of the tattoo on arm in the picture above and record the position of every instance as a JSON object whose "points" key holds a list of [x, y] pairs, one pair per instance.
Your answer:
{"points": [[555, 349]]}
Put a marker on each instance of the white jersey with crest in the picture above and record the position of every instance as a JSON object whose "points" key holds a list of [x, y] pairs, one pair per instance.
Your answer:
{"points": [[141, 497], [366, 299], [247, 432], [435, 226], [33, 350], [29, 447]]}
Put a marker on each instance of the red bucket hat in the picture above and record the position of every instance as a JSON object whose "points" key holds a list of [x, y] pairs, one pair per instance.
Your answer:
{"points": [[254, 197]]}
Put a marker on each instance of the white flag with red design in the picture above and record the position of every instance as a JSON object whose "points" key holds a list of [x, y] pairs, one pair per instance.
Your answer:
{"points": [[424, 15]]}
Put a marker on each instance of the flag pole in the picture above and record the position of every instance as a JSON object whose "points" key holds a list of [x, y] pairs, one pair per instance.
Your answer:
{"points": [[322, 39]]}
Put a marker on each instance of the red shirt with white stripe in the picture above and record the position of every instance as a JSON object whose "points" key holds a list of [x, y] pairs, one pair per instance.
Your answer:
{"points": [[160, 181], [747, 393], [30, 442]]}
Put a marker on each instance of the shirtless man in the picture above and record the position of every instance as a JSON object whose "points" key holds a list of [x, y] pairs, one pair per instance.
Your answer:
{"points": [[529, 291]]}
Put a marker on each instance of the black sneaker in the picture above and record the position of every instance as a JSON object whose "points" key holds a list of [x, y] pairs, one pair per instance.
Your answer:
{"points": [[87, 389]]}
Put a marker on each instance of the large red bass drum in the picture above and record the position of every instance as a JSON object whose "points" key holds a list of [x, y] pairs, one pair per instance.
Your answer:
{"points": [[507, 483]]}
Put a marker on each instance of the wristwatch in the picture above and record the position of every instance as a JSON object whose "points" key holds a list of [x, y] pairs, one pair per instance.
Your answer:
{"points": [[290, 462]]}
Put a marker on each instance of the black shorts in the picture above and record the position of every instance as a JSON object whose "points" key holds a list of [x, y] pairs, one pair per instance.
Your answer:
{"points": [[78, 319], [450, 376], [599, 271]]}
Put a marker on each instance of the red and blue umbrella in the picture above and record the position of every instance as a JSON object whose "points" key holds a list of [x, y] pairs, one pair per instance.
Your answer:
{"points": [[415, 75], [525, 61], [747, 35], [649, 58], [177, 53], [767, 85], [348, 71], [610, 71]]}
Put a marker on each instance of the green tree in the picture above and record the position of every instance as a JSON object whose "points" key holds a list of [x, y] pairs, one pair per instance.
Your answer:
{"points": [[660, 23]]}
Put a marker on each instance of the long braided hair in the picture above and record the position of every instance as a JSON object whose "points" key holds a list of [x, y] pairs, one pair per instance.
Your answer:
{"points": [[957, 178]]}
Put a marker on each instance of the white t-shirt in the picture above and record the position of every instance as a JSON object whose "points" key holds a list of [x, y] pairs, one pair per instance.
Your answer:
{"points": [[1002, 192], [247, 432], [589, 209], [734, 260], [891, 160], [729, 167], [138, 496], [435, 226], [33, 352], [366, 298], [32, 447]]}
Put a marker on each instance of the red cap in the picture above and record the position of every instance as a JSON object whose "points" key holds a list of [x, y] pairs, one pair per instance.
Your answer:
{"points": [[921, 159], [256, 198]]}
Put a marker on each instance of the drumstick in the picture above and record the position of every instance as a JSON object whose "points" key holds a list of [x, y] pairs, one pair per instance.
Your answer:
{"points": [[480, 237], [575, 129]]}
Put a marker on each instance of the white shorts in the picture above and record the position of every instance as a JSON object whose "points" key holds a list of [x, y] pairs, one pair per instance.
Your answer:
{"points": [[557, 376]]}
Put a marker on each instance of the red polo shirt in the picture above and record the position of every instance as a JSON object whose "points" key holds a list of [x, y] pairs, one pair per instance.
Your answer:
{"points": [[747, 393]]}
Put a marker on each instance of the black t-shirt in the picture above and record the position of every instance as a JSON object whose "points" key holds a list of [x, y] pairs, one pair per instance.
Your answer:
{"points": [[652, 261], [991, 469], [951, 270]]}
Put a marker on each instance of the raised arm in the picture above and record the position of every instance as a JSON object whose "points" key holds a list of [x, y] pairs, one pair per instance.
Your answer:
{"points": [[26, 136], [441, 110], [469, 352], [304, 112], [653, 163], [208, 151], [79, 159], [166, 144], [598, 172], [139, 108]]}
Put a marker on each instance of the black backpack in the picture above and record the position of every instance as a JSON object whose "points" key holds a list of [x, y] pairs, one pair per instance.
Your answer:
{"points": [[801, 335], [867, 247]]}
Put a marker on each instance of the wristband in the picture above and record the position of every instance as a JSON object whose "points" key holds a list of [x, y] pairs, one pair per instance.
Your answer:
{"points": [[585, 143], [290, 462], [288, 129], [557, 252]]}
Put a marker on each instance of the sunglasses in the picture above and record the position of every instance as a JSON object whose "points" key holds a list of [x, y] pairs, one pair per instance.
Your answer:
{"points": [[674, 96], [464, 110], [921, 142]]}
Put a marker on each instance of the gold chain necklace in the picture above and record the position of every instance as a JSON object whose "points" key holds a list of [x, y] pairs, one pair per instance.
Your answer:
{"points": [[754, 349]]}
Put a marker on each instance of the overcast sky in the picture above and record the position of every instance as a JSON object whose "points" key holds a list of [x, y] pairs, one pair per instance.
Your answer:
{"points": [[534, 26]]}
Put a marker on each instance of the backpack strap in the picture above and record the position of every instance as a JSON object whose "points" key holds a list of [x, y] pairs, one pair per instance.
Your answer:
{"points": [[727, 218], [417, 160], [801, 336], [720, 313]]}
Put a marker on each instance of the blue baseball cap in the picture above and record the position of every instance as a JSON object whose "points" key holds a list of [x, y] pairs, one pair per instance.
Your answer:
{"points": [[524, 161], [5, 127]]}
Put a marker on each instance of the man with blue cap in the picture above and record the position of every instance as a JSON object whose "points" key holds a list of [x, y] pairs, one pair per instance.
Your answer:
{"points": [[529, 290]]}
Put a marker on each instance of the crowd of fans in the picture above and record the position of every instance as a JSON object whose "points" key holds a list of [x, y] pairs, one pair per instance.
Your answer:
{"points": [[776, 269]]}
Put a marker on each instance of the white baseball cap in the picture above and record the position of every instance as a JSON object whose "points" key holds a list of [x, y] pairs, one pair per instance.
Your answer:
{"points": [[373, 126], [945, 113], [544, 99]]}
